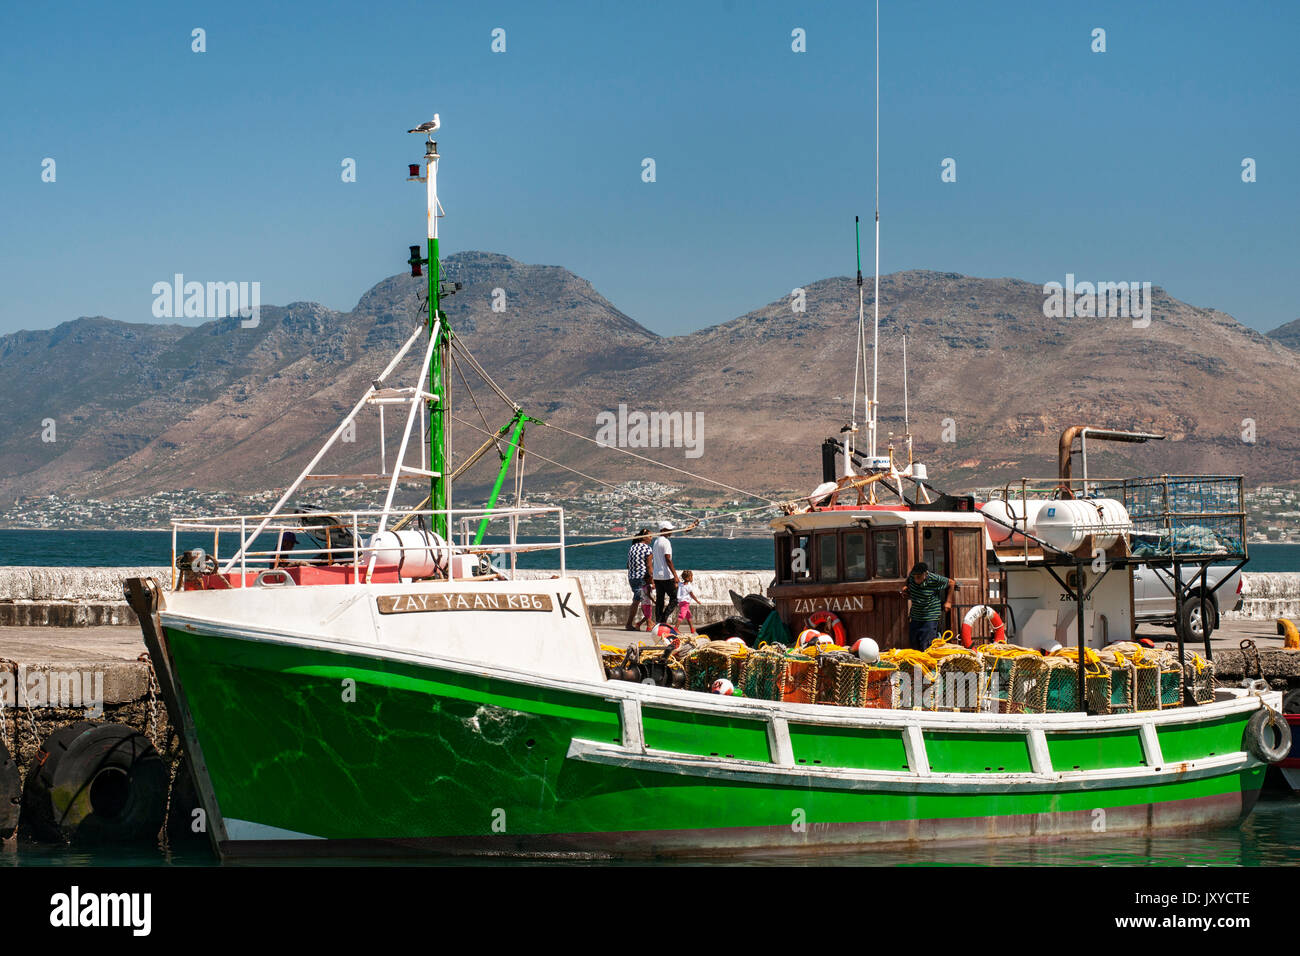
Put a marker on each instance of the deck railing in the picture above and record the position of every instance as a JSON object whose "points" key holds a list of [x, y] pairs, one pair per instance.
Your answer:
{"points": [[342, 538]]}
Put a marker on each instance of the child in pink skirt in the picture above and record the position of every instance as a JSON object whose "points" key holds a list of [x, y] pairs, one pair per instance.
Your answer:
{"points": [[685, 598], [647, 606]]}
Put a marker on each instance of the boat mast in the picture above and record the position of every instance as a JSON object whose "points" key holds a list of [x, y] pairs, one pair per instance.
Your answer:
{"points": [[875, 346], [907, 422], [859, 366], [440, 479]]}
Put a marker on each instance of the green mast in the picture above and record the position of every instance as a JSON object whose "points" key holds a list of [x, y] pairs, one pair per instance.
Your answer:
{"points": [[437, 386], [440, 480]]}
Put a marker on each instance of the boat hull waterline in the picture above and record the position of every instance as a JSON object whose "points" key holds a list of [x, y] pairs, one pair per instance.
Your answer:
{"points": [[318, 746]]}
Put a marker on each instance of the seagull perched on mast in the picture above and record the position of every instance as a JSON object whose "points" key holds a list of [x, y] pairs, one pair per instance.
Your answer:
{"points": [[428, 127]]}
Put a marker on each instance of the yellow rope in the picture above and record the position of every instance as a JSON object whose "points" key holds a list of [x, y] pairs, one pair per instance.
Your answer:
{"points": [[906, 655], [1091, 659], [998, 649], [942, 647]]}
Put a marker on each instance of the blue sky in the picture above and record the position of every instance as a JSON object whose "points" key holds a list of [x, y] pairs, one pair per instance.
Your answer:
{"points": [[225, 165]]}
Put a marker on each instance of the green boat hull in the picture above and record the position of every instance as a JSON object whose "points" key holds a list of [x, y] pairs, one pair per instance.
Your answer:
{"points": [[314, 750]]}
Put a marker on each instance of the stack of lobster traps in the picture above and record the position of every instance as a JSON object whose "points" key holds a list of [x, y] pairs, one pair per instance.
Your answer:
{"points": [[993, 678]]}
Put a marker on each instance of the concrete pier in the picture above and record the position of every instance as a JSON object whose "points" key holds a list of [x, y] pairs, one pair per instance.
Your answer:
{"points": [[92, 597], [54, 676]]}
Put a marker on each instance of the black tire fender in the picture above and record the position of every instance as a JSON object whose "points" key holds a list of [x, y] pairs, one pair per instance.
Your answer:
{"points": [[1291, 702], [11, 789], [1259, 738], [95, 783]]}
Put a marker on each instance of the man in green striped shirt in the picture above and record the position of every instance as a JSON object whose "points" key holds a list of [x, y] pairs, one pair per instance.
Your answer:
{"points": [[924, 590]]}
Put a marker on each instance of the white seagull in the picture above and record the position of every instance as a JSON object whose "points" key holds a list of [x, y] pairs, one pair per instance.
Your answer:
{"points": [[428, 127]]}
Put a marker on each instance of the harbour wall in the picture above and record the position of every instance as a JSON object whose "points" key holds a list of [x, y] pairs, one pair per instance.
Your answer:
{"points": [[89, 597]]}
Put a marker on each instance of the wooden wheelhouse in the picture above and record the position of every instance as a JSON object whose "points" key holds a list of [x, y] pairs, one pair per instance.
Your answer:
{"points": [[854, 561]]}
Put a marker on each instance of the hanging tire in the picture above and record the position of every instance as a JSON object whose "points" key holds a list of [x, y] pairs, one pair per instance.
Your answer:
{"points": [[11, 789], [1268, 736], [95, 783], [1291, 702]]}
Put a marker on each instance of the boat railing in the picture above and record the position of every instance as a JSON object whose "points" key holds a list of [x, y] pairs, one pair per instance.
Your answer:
{"points": [[345, 539]]}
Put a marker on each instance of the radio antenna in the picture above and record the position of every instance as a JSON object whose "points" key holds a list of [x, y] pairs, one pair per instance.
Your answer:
{"points": [[875, 346]]}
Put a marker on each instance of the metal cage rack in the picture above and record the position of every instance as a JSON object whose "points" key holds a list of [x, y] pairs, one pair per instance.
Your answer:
{"points": [[1184, 516]]}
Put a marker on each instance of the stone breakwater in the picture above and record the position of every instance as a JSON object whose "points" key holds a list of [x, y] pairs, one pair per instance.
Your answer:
{"points": [[68, 597], [90, 597], [87, 597], [1268, 596]]}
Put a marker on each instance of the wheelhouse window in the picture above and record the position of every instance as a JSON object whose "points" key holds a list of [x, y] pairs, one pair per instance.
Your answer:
{"points": [[828, 565], [886, 548], [794, 558], [934, 549], [855, 556]]}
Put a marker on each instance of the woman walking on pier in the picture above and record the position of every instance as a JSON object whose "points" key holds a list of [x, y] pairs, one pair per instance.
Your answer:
{"points": [[639, 576]]}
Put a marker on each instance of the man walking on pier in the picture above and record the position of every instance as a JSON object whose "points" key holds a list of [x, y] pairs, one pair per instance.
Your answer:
{"points": [[923, 590], [665, 575]]}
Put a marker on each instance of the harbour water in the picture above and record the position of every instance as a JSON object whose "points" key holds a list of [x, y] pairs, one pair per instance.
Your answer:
{"points": [[1268, 837]]}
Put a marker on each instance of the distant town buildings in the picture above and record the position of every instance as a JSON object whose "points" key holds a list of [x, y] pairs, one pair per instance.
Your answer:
{"points": [[604, 512], [1274, 512]]}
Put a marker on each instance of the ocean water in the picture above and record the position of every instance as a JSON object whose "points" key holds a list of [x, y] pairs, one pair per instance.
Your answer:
{"points": [[1270, 836], [132, 548]]}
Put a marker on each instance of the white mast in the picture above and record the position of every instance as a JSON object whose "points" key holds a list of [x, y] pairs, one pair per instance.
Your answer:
{"points": [[875, 346]]}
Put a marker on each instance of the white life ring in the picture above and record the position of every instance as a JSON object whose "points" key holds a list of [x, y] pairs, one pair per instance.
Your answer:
{"points": [[973, 615]]}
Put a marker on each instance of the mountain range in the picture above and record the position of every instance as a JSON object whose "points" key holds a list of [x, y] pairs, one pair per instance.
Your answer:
{"points": [[139, 408]]}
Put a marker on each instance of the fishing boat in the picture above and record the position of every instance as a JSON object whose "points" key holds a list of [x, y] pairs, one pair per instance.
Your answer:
{"points": [[403, 686]]}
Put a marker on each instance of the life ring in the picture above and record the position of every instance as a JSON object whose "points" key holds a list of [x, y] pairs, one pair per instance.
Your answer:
{"points": [[1257, 736], [973, 615], [828, 622], [95, 783]]}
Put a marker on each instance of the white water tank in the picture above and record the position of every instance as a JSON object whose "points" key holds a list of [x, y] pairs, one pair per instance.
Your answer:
{"points": [[1020, 513], [1066, 524], [418, 554]]}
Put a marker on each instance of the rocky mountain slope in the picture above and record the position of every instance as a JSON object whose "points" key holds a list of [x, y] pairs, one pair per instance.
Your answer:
{"points": [[140, 408], [1288, 335]]}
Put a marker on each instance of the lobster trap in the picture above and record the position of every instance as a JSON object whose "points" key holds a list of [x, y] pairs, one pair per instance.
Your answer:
{"points": [[1200, 679], [1171, 682], [959, 684], [797, 679], [841, 679], [762, 673], [1146, 685], [997, 661], [882, 690], [1043, 685], [719, 660]]}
